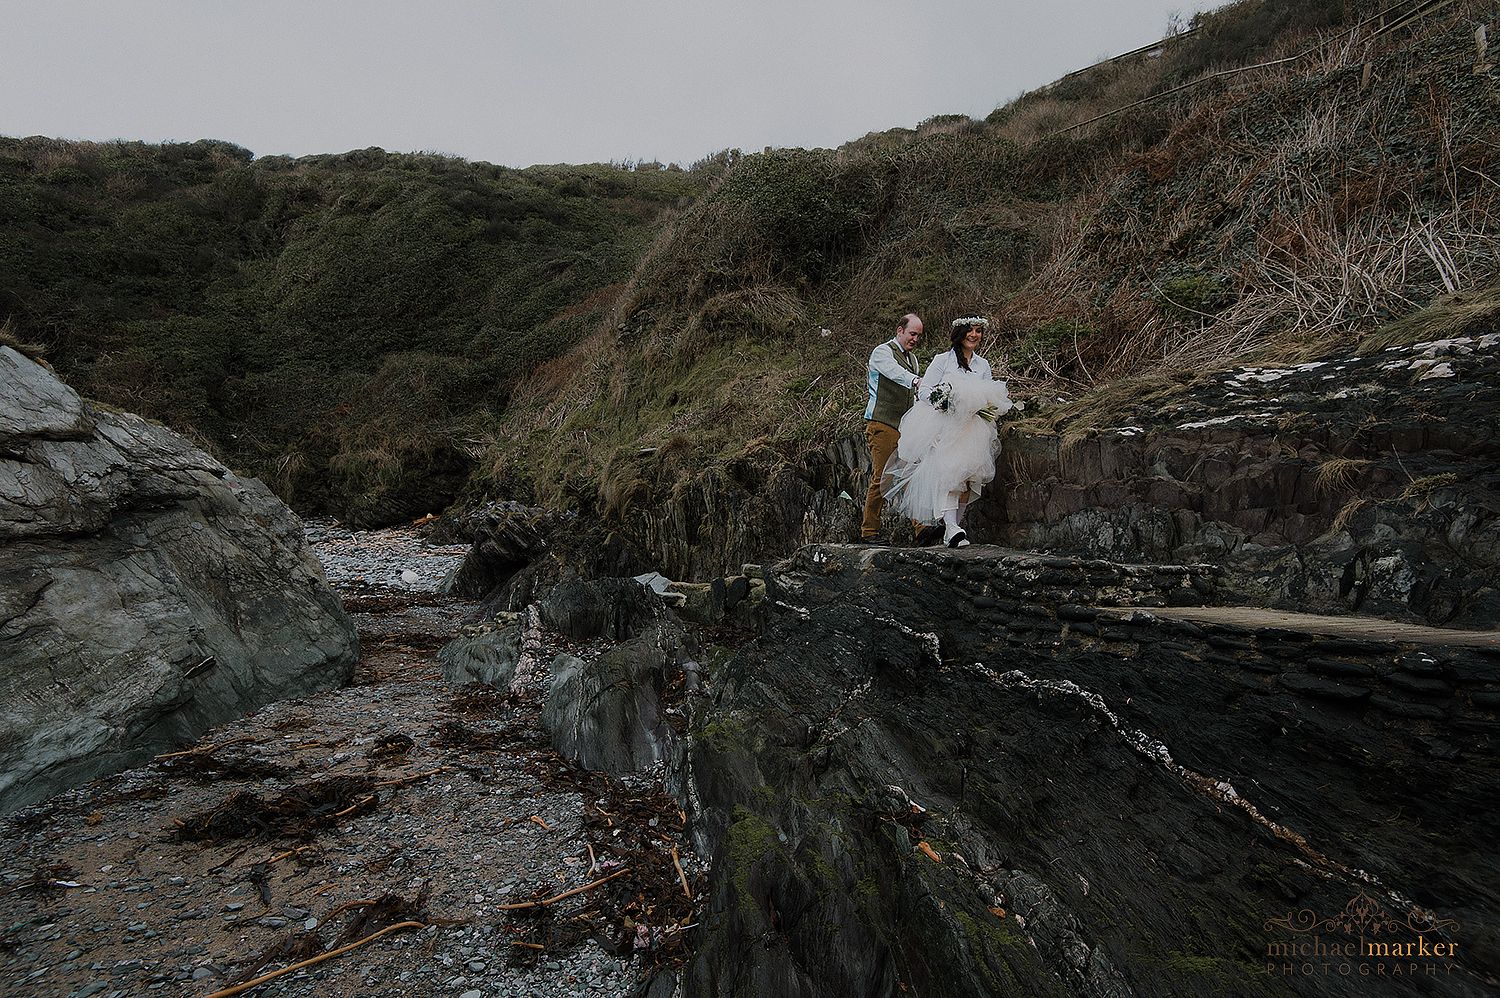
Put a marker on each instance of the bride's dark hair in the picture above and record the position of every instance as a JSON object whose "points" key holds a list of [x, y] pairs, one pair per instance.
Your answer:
{"points": [[956, 337]]}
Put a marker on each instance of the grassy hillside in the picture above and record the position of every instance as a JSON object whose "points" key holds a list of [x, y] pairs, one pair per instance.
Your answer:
{"points": [[1286, 209], [339, 325]]}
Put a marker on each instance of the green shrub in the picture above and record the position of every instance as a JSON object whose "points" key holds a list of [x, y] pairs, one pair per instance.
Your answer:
{"points": [[1194, 296], [1044, 344]]}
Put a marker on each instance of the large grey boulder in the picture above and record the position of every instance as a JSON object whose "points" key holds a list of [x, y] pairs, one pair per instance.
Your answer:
{"points": [[146, 591]]}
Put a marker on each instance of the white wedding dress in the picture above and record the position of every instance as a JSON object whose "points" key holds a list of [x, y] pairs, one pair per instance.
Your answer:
{"points": [[943, 453]]}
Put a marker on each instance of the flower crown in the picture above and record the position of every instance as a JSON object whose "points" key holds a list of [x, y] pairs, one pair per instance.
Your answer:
{"points": [[973, 320]]}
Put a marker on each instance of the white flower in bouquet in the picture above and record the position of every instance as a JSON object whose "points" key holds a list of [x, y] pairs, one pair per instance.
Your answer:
{"points": [[941, 396]]}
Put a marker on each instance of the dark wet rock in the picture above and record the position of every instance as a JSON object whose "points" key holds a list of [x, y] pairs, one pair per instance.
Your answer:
{"points": [[905, 798], [605, 712], [506, 537], [737, 601], [519, 553], [611, 609], [604, 709], [1326, 689], [760, 505], [146, 591]]}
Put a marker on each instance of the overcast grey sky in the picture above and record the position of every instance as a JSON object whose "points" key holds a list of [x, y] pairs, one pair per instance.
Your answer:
{"points": [[537, 81]]}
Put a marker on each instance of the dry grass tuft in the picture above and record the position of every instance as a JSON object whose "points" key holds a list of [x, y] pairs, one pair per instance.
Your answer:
{"points": [[1421, 488], [1346, 515], [1450, 316], [8, 338], [1338, 474]]}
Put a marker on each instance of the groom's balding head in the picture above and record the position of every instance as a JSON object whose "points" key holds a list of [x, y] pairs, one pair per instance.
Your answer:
{"points": [[908, 330]]}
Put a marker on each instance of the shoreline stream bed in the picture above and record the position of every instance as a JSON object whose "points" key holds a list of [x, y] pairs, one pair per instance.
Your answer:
{"points": [[320, 821]]}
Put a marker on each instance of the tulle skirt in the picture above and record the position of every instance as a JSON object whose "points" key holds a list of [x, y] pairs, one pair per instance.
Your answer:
{"points": [[943, 453]]}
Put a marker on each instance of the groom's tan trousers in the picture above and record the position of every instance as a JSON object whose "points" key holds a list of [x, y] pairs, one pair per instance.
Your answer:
{"points": [[882, 440]]}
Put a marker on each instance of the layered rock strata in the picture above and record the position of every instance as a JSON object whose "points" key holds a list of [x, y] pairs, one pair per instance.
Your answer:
{"points": [[1357, 483], [1352, 484], [146, 591], [982, 773]]}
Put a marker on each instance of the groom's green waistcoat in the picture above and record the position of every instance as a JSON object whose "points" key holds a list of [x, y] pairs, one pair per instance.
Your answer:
{"points": [[892, 400]]}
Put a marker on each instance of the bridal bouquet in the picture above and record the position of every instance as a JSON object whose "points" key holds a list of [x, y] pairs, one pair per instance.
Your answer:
{"points": [[941, 397]]}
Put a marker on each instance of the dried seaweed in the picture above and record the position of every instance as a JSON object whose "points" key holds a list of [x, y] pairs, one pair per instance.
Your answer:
{"points": [[149, 791], [368, 917], [388, 909], [209, 768], [390, 747], [52, 877], [645, 910], [298, 813], [479, 700], [459, 736], [375, 600]]}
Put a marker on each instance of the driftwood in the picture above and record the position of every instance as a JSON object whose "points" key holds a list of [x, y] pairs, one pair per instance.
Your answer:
{"points": [[239, 988], [565, 894]]}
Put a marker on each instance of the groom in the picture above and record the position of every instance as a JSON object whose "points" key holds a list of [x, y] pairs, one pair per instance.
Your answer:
{"points": [[892, 378]]}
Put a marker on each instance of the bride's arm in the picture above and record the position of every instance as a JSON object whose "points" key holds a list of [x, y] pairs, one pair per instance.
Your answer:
{"points": [[938, 369]]}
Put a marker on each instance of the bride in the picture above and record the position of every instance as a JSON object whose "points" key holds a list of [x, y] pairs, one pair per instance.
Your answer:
{"points": [[948, 444]]}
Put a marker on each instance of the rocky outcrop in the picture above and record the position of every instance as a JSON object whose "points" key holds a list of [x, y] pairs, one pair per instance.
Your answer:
{"points": [[146, 591], [604, 706], [1366, 484], [605, 711], [486, 653], [505, 538], [758, 507], [991, 773], [518, 553], [605, 655], [611, 609], [1355, 483]]}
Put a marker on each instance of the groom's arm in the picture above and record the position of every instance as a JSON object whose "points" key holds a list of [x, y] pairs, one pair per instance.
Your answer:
{"points": [[883, 361]]}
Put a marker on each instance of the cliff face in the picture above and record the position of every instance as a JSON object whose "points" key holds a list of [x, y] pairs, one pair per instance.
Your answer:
{"points": [[146, 592], [979, 773]]}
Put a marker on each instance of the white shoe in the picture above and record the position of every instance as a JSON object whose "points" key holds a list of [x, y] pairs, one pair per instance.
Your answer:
{"points": [[955, 537]]}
